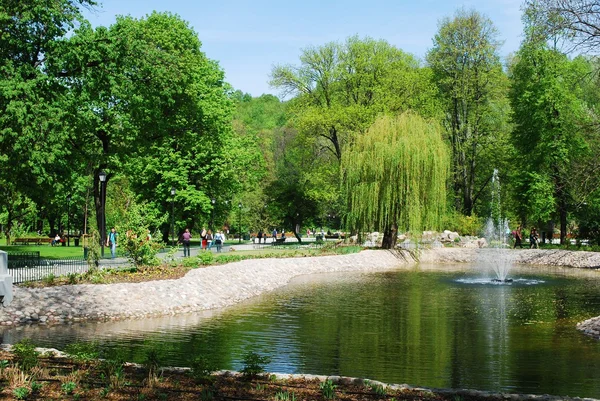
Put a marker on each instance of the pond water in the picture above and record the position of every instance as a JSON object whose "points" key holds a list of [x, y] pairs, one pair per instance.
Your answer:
{"points": [[424, 326]]}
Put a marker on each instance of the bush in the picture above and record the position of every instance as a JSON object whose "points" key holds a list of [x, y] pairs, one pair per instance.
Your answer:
{"points": [[463, 225], [205, 258], [254, 364], [202, 369], [26, 355]]}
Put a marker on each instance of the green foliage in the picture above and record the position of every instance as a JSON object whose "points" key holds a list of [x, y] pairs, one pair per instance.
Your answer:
{"points": [[205, 258], [152, 362], [328, 389], [555, 159], [83, 351], [207, 394], [93, 246], [21, 393], [49, 279], [202, 369], [35, 387], [468, 73], [463, 225], [68, 388], [25, 354], [395, 175], [140, 247], [253, 364], [286, 395]]}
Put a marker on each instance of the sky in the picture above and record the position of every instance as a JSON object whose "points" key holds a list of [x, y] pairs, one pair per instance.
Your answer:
{"points": [[248, 37]]}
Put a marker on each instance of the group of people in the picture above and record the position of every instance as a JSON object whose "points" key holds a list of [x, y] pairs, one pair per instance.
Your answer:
{"points": [[207, 240], [533, 237], [261, 234]]}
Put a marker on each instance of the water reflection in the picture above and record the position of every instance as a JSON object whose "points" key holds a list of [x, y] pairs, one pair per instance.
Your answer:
{"points": [[419, 326]]}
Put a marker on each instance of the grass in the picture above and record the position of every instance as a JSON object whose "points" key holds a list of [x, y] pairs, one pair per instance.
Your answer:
{"points": [[46, 251]]}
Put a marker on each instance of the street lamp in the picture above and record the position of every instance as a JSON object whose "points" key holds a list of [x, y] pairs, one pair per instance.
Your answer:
{"points": [[68, 220], [173, 216], [102, 177], [212, 214], [240, 222]]}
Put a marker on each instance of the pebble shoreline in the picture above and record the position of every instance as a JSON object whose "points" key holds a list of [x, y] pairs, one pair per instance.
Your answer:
{"points": [[200, 289], [221, 286]]}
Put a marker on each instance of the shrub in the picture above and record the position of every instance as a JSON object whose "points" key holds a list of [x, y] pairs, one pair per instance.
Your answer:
{"points": [[202, 369], [26, 355], [21, 393], [68, 387], [463, 225], [254, 364], [205, 258]]}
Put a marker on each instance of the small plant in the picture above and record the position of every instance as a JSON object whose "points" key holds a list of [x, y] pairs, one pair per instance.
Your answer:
{"points": [[26, 355], [378, 389], [21, 393], [202, 369], [104, 392], [152, 364], [328, 389], [206, 394], [72, 278], [35, 387], [68, 388], [285, 396], [254, 364], [260, 387]]}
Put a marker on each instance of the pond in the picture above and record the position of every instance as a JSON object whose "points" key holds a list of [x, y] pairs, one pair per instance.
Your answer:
{"points": [[427, 326]]}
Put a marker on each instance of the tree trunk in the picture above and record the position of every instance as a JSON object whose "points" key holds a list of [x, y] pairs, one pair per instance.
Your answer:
{"points": [[563, 222], [390, 236]]}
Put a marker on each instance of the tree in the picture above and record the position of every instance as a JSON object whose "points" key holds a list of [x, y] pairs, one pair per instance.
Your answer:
{"points": [[144, 100], [575, 21], [467, 70], [31, 146], [394, 177], [549, 135], [341, 88]]}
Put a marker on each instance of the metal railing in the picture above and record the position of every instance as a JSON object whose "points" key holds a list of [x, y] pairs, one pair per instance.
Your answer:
{"points": [[28, 266]]}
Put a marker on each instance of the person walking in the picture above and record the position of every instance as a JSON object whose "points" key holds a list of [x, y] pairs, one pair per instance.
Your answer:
{"points": [[111, 242], [219, 240], [274, 235], [186, 237], [260, 235], [518, 237], [209, 239], [533, 238], [203, 242]]}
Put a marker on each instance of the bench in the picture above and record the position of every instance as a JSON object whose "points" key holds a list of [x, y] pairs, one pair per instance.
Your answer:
{"points": [[278, 241], [36, 241]]}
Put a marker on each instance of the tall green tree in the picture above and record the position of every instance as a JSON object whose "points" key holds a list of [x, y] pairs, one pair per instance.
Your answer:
{"points": [[467, 70], [34, 159], [394, 177], [147, 102], [549, 131]]}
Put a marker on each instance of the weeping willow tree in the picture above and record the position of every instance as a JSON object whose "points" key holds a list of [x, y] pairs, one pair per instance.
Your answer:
{"points": [[394, 177]]}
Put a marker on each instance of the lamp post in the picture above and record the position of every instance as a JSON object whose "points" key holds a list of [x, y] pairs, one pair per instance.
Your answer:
{"points": [[240, 222], [173, 216], [68, 220], [102, 177], [212, 214]]}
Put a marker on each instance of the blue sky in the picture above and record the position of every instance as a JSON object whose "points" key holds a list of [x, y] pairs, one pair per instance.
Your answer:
{"points": [[248, 38]]}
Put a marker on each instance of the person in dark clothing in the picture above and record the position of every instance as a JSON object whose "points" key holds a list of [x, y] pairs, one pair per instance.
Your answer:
{"points": [[185, 238], [533, 238], [518, 237]]}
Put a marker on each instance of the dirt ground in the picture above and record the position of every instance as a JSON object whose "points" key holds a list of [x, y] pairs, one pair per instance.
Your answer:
{"points": [[58, 378]]}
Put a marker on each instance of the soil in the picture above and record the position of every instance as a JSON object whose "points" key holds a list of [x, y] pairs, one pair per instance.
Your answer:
{"points": [[94, 381]]}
